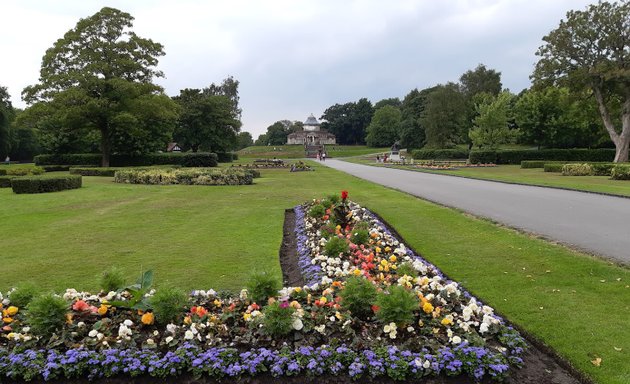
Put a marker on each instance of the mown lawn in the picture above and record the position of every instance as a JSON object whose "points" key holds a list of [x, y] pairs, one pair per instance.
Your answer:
{"points": [[532, 176], [214, 237]]}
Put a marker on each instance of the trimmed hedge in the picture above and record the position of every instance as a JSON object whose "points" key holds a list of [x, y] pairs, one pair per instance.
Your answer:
{"points": [[57, 168], [553, 167], [94, 171], [620, 172], [602, 169], [226, 157], [517, 156], [439, 154], [5, 181], [43, 184], [25, 171], [227, 176], [577, 170], [3, 172], [197, 159], [533, 164]]}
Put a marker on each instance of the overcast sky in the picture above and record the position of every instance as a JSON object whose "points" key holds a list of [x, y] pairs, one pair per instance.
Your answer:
{"points": [[295, 57]]}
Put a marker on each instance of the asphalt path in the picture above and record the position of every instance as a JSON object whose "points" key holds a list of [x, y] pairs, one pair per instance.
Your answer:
{"points": [[598, 224]]}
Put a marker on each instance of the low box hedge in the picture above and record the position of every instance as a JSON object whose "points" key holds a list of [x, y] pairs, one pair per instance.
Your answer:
{"points": [[3, 172], [196, 159], [553, 167], [5, 181], [517, 156], [533, 164], [584, 169], [199, 176], [93, 171], [25, 171], [439, 154], [58, 168], [43, 184], [620, 172]]}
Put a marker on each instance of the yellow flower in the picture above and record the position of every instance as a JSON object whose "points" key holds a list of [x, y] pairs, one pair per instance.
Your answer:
{"points": [[187, 320], [427, 307], [446, 321], [247, 316], [383, 262], [392, 258], [338, 315], [388, 249], [7, 320], [323, 300], [147, 318], [217, 302], [380, 267], [69, 318], [357, 272], [378, 249], [102, 310], [298, 289], [12, 310], [295, 304]]}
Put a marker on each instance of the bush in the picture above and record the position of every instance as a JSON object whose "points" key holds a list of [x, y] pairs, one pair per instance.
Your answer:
{"points": [[553, 167], [277, 320], [602, 169], [334, 199], [317, 211], [396, 306], [533, 164], [3, 172], [262, 285], [358, 296], [112, 280], [93, 171], [168, 305], [517, 156], [406, 269], [43, 184], [46, 315], [5, 181], [360, 236], [197, 176], [225, 157], [25, 171], [23, 294], [440, 154], [56, 168], [335, 246], [577, 170], [196, 159], [620, 172]]}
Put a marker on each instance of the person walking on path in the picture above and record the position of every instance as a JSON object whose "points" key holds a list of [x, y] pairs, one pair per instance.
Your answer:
{"points": [[324, 156]]}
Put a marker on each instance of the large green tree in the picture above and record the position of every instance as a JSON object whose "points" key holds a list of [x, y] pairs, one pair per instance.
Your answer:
{"points": [[481, 79], [444, 117], [207, 121], [99, 77], [591, 50], [491, 126], [244, 140], [6, 116], [349, 121], [384, 129], [412, 133]]}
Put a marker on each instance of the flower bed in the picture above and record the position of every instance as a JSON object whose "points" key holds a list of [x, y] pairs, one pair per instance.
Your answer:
{"points": [[370, 308], [193, 176]]}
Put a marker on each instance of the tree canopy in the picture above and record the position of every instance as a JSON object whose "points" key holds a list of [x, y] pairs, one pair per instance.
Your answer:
{"points": [[591, 50], [99, 77], [384, 129], [444, 117], [492, 125], [349, 121], [481, 80], [6, 115]]}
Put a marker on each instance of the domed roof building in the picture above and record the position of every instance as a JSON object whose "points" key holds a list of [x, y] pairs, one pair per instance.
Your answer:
{"points": [[311, 135]]}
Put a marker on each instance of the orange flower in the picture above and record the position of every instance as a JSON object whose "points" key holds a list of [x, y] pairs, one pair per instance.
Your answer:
{"points": [[199, 311], [147, 318], [12, 310], [102, 310], [7, 320], [427, 307], [80, 306]]}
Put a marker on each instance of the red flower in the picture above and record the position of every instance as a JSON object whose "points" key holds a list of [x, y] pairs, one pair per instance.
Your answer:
{"points": [[81, 306], [344, 195]]}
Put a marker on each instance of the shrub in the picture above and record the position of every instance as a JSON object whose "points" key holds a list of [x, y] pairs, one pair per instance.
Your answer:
{"points": [[168, 304], [263, 285], [440, 154], [577, 170], [317, 211], [406, 269], [23, 294], [46, 315], [533, 164], [197, 176], [620, 172], [358, 296], [112, 280], [602, 169], [25, 171], [334, 199], [360, 236], [93, 171], [553, 167], [277, 319], [397, 305], [5, 181], [3, 172], [225, 157], [196, 159], [335, 246], [43, 184], [56, 168], [517, 156]]}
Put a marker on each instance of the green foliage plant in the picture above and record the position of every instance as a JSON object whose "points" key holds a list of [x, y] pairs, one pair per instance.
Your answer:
{"points": [[397, 305], [263, 285], [358, 296], [317, 211], [45, 183], [112, 280], [25, 171], [620, 172], [335, 246], [137, 292], [24, 294], [46, 314], [168, 304], [278, 319], [334, 199], [406, 269], [577, 170], [360, 236]]}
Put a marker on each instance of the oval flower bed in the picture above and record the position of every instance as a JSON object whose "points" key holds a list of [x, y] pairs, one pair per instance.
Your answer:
{"points": [[189, 176], [371, 308]]}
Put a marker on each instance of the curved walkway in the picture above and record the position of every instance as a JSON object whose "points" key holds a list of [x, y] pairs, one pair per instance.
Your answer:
{"points": [[595, 223]]}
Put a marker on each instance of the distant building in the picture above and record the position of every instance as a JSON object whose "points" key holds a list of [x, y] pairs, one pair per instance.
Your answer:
{"points": [[311, 135], [173, 147]]}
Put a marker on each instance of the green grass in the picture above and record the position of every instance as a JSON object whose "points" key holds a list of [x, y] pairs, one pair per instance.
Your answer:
{"points": [[214, 237], [297, 151], [529, 176]]}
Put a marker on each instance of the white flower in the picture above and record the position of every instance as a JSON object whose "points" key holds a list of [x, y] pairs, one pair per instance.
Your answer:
{"points": [[189, 335], [26, 329], [150, 342], [483, 328], [124, 331], [321, 328], [297, 324], [410, 329], [417, 362], [128, 323], [100, 336], [457, 340], [426, 364], [487, 310], [243, 294], [110, 295], [80, 324], [172, 328], [93, 333], [168, 339]]}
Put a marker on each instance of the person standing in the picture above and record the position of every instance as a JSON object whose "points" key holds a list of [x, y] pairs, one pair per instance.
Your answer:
{"points": [[324, 156]]}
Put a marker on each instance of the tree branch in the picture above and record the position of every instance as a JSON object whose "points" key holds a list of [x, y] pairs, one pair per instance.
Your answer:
{"points": [[603, 111]]}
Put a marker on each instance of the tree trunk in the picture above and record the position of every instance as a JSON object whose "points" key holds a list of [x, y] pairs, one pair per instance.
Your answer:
{"points": [[106, 148], [622, 141]]}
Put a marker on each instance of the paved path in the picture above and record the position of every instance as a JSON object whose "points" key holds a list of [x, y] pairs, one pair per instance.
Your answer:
{"points": [[595, 223]]}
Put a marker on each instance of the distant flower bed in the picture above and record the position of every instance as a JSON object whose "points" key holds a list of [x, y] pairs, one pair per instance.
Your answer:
{"points": [[448, 165], [188, 176], [370, 308], [300, 166]]}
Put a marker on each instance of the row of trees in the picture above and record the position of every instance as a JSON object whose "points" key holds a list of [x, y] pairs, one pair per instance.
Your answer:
{"points": [[96, 92], [580, 97]]}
